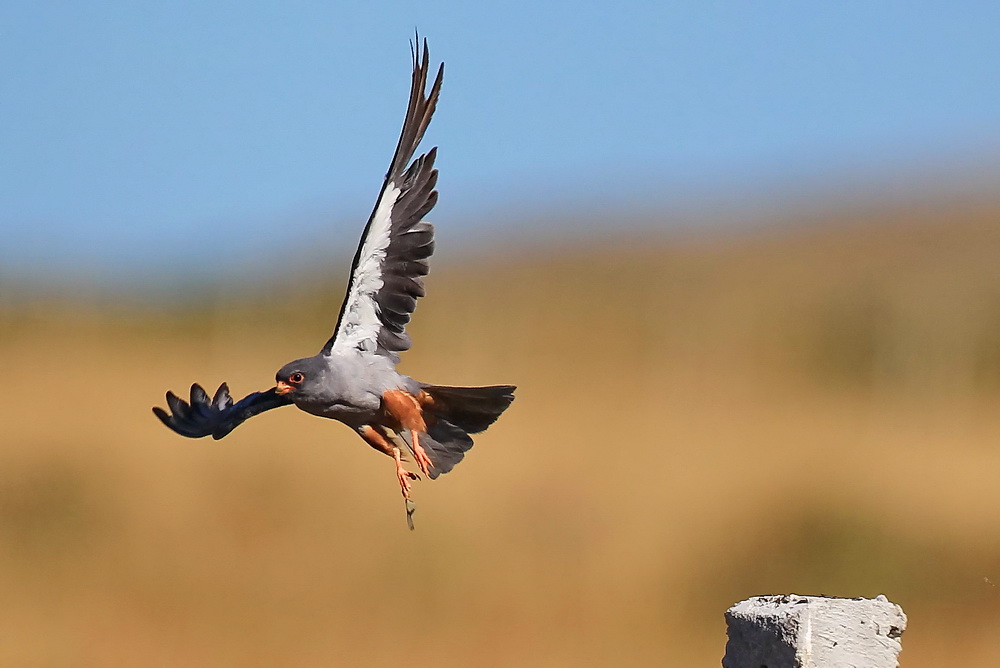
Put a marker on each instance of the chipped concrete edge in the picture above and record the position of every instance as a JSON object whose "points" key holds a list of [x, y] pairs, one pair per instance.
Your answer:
{"points": [[792, 631]]}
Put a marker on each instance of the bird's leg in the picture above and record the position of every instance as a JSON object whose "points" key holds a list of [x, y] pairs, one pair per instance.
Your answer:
{"points": [[376, 438], [402, 474], [419, 454], [407, 412]]}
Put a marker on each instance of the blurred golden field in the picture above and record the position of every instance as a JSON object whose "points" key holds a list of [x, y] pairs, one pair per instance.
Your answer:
{"points": [[798, 408]]}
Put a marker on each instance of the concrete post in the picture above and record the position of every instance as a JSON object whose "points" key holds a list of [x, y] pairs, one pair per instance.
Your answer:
{"points": [[813, 632]]}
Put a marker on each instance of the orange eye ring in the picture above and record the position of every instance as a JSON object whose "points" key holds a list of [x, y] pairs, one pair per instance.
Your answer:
{"points": [[296, 378]]}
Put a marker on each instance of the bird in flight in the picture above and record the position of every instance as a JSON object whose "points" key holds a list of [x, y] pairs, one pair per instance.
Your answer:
{"points": [[353, 379]]}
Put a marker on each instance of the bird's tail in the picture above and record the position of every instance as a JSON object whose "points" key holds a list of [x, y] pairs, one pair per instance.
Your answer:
{"points": [[452, 413], [471, 409]]}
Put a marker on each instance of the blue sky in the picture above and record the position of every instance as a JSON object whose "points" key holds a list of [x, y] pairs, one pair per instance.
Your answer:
{"points": [[150, 138]]}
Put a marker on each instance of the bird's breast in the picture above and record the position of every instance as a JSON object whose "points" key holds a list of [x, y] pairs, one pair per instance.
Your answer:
{"points": [[346, 412]]}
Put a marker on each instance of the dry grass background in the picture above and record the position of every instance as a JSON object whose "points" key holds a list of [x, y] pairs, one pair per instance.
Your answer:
{"points": [[809, 409]]}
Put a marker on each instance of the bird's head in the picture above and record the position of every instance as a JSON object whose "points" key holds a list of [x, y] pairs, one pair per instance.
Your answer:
{"points": [[301, 377]]}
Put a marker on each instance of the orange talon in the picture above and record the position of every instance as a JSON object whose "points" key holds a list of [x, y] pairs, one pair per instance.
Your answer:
{"points": [[404, 476], [420, 455], [377, 438]]}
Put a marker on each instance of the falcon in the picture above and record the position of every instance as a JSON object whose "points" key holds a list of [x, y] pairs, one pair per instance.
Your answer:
{"points": [[353, 379]]}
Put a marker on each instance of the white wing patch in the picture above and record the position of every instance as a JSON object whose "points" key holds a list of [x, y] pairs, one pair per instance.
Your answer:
{"points": [[360, 325]]}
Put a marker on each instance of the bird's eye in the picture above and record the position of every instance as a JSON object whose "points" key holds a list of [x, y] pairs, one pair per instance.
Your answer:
{"points": [[296, 378]]}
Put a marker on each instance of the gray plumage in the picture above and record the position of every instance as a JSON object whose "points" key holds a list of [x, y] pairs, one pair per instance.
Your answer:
{"points": [[346, 386]]}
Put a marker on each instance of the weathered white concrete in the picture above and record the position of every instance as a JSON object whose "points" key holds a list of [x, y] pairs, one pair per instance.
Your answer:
{"points": [[814, 632]]}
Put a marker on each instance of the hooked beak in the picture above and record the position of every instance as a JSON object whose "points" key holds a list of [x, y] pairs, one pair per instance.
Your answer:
{"points": [[283, 388]]}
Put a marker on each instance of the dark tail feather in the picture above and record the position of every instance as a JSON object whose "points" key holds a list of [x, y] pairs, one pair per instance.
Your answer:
{"points": [[444, 443], [472, 409], [456, 412]]}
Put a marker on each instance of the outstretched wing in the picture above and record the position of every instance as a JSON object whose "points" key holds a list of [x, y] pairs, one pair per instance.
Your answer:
{"points": [[392, 258], [217, 416]]}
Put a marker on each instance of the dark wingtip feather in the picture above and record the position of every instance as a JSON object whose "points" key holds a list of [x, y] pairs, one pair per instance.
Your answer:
{"points": [[222, 399], [163, 415], [178, 406], [198, 395]]}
